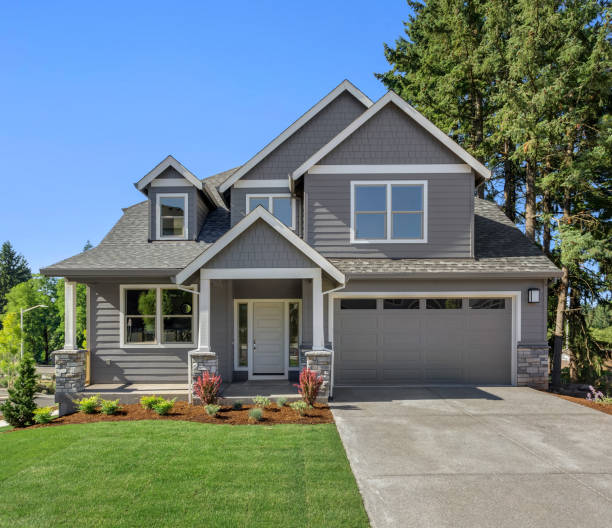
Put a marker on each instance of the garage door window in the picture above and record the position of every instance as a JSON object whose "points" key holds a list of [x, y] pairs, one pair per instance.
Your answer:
{"points": [[443, 304], [358, 304], [487, 304], [401, 304]]}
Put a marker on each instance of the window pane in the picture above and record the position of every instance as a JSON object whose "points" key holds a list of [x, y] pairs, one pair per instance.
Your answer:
{"points": [[443, 304], [282, 210], [358, 304], [255, 201], [487, 304], [294, 335], [177, 330], [140, 330], [401, 304], [172, 206], [177, 302], [371, 198], [243, 335], [370, 225], [140, 302], [407, 225], [172, 226], [407, 197]]}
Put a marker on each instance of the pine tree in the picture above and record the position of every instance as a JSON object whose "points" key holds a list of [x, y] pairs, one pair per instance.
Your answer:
{"points": [[13, 270], [18, 410]]}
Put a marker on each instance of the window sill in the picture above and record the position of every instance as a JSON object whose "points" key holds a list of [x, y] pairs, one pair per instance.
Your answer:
{"points": [[169, 345], [388, 241]]}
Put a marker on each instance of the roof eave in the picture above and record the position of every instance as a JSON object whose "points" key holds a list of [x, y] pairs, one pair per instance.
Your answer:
{"points": [[455, 275]]}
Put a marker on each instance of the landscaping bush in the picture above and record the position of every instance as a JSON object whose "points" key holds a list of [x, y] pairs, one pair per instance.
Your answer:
{"points": [[110, 407], [256, 414], [597, 396], [281, 401], [163, 407], [42, 415], [299, 407], [309, 385], [212, 409], [261, 401], [237, 405], [148, 402], [206, 387], [18, 410], [88, 405]]}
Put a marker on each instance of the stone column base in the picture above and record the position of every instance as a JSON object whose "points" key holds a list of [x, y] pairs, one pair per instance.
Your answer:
{"points": [[320, 362], [532, 366], [70, 368], [201, 362]]}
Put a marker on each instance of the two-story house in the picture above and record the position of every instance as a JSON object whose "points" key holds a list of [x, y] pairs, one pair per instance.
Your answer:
{"points": [[353, 242]]}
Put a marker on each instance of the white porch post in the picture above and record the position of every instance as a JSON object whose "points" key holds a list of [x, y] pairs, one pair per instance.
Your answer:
{"points": [[318, 340], [204, 314], [70, 315]]}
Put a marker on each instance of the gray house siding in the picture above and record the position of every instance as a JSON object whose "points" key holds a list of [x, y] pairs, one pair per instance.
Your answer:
{"points": [[260, 246], [308, 139], [450, 216]]}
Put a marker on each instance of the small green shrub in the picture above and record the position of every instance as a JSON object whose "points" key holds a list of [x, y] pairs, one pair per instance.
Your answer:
{"points": [[299, 407], [109, 407], [43, 415], [212, 409], [18, 409], [148, 402], [261, 401], [163, 407], [256, 414], [88, 405], [237, 405]]}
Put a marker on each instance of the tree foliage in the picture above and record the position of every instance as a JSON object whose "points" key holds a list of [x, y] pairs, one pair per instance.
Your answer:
{"points": [[13, 270]]}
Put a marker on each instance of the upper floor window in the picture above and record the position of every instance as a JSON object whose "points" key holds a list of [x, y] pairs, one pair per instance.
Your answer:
{"points": [[172, 216], [282, 206], [388, 211]]}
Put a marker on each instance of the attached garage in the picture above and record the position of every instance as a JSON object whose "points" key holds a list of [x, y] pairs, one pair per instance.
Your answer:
{"points": [[424, 340]]}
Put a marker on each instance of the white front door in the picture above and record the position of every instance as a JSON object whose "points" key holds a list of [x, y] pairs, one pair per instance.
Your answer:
{"points": [[268, 338]]}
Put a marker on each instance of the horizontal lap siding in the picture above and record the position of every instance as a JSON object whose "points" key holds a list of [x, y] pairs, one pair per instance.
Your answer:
{"points": [[449, 216]]}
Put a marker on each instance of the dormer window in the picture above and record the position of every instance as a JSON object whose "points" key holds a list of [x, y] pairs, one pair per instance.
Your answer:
{"points": [[282, 206], [172, 216]]}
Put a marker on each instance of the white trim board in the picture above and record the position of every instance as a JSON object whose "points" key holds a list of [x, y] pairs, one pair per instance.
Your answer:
{"points": [[258, 214], [392, 97], [171, 182], [169, 161], [287, 133], [515, 331], [433, 168], [257, 184]]}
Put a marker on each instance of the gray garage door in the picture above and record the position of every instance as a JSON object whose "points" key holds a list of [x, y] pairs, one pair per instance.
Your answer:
{"points": [[413, 341]]}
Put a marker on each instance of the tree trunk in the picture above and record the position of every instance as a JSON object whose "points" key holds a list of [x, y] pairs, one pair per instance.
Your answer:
{"points": [[530, 201], [478, 132], [573, 323], [509, 184], [546, 237]]}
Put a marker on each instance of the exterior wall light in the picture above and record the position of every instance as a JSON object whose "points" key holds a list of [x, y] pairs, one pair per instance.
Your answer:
{"points": [[533, 295]]}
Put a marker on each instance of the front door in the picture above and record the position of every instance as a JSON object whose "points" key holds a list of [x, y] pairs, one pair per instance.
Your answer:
{"points": [[268, 338]]}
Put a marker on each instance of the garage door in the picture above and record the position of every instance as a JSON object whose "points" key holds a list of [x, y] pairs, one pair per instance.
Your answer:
{"points": [[428, 340]]}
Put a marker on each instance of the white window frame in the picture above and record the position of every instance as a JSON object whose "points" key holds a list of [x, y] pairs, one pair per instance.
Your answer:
{"points": [[158, 197], [271, 204], [389, 212], [158, 316], [250, 314]]}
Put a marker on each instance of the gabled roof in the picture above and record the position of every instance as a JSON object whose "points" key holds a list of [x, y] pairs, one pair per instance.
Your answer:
{"points": [[169, 161], [259, 213], [393, 98], [344, 86]]}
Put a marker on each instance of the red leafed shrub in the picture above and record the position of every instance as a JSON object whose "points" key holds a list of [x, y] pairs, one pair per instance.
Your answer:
{"points": [[309, 386], [207, 388]]}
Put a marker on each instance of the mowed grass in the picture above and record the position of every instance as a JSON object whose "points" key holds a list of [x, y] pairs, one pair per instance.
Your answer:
{"points": [[169, 473]]}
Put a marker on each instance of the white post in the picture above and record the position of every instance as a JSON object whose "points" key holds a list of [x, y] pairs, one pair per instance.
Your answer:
{"points": [[70, 315], [318, 340], [204, 315]]}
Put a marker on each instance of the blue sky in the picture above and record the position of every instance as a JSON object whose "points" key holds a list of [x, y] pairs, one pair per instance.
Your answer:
{"points": [[94, 95]]}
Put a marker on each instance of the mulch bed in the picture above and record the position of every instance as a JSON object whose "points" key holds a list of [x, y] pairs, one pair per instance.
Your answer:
{"points": [[272, 415], [602, 407]]}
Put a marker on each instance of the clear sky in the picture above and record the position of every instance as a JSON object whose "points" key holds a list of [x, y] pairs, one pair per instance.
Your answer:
{"points": [[94, 94]]}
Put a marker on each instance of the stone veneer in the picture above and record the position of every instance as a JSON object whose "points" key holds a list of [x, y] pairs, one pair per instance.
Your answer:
{"points": [[201, 362], [320, 362], [69, 377], [532, 366]]}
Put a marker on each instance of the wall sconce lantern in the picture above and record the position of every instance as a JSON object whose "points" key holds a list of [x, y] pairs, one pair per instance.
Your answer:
{"points": [[533, 295]]}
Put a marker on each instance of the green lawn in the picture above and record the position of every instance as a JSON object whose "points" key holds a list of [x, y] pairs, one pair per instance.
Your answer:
{"points": [[168, 473]]}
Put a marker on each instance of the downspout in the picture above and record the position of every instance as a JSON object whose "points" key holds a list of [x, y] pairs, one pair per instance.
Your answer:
{"points": [[332, 369]]}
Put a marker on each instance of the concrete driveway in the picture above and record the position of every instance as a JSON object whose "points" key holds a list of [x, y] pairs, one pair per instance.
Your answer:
{"points": [[488, 456]]}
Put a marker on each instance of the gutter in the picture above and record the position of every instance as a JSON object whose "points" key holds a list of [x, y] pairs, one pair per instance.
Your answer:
{"points": [[458, 275]]}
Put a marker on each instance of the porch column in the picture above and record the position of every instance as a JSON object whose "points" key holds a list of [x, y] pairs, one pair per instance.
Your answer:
{"points": [[204, 314], [70, 302], [318, 340]]}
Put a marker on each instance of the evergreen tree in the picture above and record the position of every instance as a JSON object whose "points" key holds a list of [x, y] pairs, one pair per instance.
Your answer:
{"points": [[13, 270], [18, 410]]}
